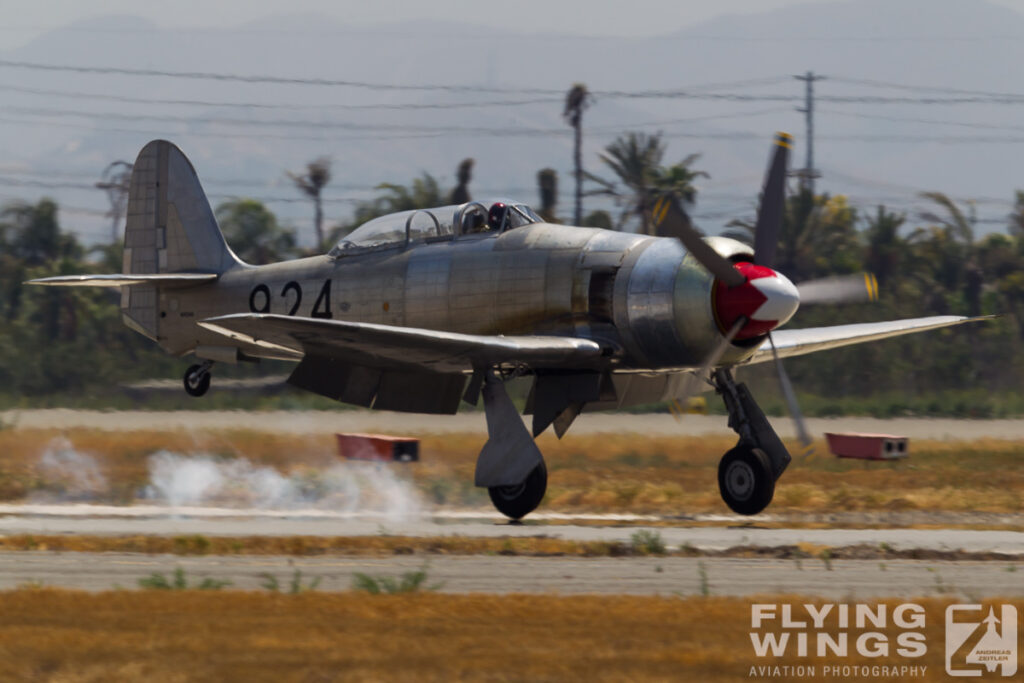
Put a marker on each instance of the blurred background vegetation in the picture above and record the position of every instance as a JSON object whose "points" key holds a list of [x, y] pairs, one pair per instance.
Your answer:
{"points": [[65, 346]]}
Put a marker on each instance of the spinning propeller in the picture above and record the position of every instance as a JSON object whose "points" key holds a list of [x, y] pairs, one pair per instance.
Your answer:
{"points": [[751, 298]]}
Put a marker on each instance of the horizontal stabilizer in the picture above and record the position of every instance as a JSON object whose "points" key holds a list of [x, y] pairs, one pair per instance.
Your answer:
{"points": [[122, 279]]}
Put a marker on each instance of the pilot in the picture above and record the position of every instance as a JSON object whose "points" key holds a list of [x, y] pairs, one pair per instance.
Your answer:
{"points": [[475, 222], [496, 216]]}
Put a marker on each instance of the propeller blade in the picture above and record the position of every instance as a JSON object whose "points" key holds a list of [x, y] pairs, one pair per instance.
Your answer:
{"points": [[670, 220], [692, 384], [839, 289], [773, 200], [787, 391]]}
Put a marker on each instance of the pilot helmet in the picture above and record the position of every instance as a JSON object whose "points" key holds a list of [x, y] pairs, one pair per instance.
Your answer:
{"points": [[496, 216]]}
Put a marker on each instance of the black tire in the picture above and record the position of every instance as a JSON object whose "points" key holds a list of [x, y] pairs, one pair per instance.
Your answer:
{"points": [[197, 381], [745, 480], [520, 500]]}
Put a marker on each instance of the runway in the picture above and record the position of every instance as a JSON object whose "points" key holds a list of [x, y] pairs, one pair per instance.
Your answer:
{"points": [[498, 574], [724, 531], [709, 534], [329, 422]]}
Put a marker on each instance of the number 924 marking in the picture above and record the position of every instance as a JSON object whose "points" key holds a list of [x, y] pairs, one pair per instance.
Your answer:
{"points": [[259, 299]]}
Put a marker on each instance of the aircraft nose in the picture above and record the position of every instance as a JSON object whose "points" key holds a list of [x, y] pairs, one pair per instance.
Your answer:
{"points": [[767, 300]]}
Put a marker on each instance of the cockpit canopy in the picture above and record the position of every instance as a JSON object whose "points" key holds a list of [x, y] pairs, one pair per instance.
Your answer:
{"points": [[445, 221]]}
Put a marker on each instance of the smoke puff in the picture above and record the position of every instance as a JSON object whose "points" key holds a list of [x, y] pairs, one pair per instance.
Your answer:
{"points": [[77, 474], [180, 480]]}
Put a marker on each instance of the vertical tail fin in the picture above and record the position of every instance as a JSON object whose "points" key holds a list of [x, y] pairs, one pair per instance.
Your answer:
{"points": [[170, 228]]}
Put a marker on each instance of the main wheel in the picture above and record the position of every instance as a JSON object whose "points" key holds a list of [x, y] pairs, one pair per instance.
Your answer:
{"points": [[745, 480], [519, 500], [197, 380]]}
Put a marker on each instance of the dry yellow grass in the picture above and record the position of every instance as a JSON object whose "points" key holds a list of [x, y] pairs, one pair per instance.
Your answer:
{"points": [[74, 637], [605, 473], [383, 546], [318, 545]]}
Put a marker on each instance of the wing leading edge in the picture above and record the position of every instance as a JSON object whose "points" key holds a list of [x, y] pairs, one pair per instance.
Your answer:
{"points": [[125, 279], [800, 342], [389, 346]]}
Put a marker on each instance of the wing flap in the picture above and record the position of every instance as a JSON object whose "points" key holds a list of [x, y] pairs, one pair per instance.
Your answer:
{"points": [[812, 339], [388, 345], [124, 279]]}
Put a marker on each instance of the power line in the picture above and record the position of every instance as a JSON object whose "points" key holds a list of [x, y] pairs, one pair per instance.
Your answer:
{"points": [[939, 139], [219, 134], [922, 88], [260, 105], [240, 78], [693, 91], [903, 119], [286, 123], [691, 119], [547, 35], [700, 92], [412, 130]]}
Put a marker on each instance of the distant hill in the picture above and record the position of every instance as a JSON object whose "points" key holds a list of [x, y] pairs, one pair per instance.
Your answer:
{"points": [[963, 44]]}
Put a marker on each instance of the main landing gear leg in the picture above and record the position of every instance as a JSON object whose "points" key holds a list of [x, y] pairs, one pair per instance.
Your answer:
{"points": [[747, 473], [197, 378], [510, 465]]}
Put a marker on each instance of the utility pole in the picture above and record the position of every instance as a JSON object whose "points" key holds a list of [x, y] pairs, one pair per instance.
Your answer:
{"points": [[808, 173], [576, 100]]}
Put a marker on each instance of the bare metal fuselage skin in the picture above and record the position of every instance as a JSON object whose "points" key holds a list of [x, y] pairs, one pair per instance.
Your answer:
{"points": [[644, 298]]}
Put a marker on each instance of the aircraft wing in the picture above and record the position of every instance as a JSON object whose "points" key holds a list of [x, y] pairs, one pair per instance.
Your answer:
{"points": [[800, 342], [387, 345]]}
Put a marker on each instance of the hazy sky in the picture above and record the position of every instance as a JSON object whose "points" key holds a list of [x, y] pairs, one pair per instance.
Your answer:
{"points": [[25, 18]]}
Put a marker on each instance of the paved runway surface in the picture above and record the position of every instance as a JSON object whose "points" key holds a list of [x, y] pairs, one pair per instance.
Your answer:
{"points": [[497, 574], [327, 422], [734, 531], [634, 575]]}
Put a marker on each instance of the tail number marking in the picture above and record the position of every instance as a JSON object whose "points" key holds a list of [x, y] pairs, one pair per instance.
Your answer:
{"points": [[259, 299]]}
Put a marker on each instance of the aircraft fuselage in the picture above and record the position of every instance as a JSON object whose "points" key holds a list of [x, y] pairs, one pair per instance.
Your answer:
{"points": [[642, 296]]}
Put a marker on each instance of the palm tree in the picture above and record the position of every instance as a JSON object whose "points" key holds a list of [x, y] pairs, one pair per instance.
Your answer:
{"points": [[547, 186], [311, 183], [424, 193], [1016, 227], [576, 101], [818, 236], [36, 237], [886, 250], [253, 233], [949, 244], [635, 158], [464, 174], [678, 179]]}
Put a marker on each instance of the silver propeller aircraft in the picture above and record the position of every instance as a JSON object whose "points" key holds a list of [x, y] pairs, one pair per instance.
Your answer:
{"points": [[421, 310]]}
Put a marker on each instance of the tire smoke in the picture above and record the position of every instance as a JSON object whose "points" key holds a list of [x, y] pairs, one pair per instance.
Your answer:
{"points": [[190, 480], [70, 474]]}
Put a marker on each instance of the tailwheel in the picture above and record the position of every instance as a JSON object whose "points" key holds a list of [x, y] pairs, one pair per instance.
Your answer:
{"points": [[521, 499], [745, 480], [197, 380]]}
